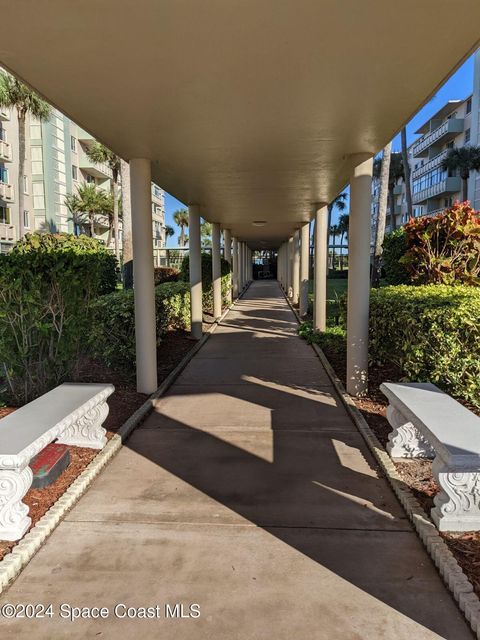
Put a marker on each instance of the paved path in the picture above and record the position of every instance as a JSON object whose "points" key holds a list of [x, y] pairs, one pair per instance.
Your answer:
{"points": [[250, 492]]}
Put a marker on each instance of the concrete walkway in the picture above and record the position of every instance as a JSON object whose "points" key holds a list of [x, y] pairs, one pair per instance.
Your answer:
{"points": [[250, 492]]}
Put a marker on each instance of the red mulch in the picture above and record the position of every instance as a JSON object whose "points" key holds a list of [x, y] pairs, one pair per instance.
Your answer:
{"points": [[123, 402], [417, 474]]}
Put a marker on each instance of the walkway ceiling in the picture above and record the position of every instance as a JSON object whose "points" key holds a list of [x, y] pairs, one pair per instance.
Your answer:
{"points": [[250, 108]]}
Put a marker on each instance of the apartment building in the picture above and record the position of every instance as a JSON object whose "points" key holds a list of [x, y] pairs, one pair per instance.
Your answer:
{"points": [[56, 164], [455, 124]]}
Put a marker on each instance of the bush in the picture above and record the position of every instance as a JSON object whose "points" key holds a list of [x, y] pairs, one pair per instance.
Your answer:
{"points": [[47, 285], [207, 288], [444, 249], [432, 333], [331, 340], [394, 248], [112, 337], [166, 274]]}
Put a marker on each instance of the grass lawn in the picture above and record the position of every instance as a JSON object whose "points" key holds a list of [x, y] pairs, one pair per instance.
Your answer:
{"points": [[336, 288]]}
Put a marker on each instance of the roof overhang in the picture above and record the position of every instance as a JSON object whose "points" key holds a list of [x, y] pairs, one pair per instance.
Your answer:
{"points": [[250, 108]]}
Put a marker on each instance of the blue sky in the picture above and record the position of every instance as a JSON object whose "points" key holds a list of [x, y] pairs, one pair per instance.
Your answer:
{"points": [[459, 86]]}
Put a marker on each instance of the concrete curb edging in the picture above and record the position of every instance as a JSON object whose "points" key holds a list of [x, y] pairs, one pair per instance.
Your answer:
{"points": [[14, 562], [452, 574]]}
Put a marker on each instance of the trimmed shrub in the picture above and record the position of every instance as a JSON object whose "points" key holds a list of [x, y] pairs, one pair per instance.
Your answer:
{"points": [[112, 337], [432, 333], [166, 274], [394, 248], [207, 288], [444, 249], [47, 285], [334, 339]]}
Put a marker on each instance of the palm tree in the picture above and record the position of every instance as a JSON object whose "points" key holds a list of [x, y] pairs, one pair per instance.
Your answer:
{"points": [[334, 231], [91, 202], [381, 171], [101, 154], [73, 204], [206, 233], [127, 248], [343, 223], [340, 203], [180, 217], [463, 160], [395, 173], [15, 94], [169, 232], [407, 174]]}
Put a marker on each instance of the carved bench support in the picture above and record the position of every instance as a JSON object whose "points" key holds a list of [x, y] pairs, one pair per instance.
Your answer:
{"points": [[14, 518], [87, 431], [405, 441], [457, 505]]}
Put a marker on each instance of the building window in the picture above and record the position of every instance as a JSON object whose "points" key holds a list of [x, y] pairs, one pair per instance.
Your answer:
{"points": [[74, 172], [26, 219], [90, 179], [467, 136], [4, 175], [4, 215], [450, 145], [469, 105], [73, 143], [25, 184], [3, 134]]}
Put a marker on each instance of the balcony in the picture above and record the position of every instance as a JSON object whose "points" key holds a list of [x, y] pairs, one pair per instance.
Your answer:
{"points": [[5, 151], [430, 165], [444, 133], [448, 185], [4, 114], [95, 169], [8, 232], [6, 192]]}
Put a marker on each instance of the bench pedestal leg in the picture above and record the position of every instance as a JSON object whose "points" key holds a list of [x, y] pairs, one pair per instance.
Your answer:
{"points": [[14, 519], [457, 505], [87, 431], [405, 441]]}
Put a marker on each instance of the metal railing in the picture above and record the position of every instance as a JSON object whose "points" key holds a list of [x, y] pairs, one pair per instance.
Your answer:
{"points": [[452, 126], [430, 165], [448, 185]]}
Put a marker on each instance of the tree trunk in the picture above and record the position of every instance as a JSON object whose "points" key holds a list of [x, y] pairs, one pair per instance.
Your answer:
{"points": [[341, 252], [333, 252], [464, 188], [115, 213], [92, 225], [182, 237], [127, 250], [407, 174], [109, 237], [21, 172], [382, 215], [393, 217]]}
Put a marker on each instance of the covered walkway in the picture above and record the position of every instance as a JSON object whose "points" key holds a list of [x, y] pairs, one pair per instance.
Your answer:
{"points": [[250, 492]]}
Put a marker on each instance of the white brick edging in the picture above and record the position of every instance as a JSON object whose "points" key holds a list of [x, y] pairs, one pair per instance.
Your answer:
{"points": [[457, 582], [21, 554]]}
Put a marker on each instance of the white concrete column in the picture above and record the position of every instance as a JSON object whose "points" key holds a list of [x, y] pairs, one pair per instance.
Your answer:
{"points": [[296, 268], [235, 286], [290, 268], [144, 288], [195, 261], [216, 271], [240, 267], [320, 268], [227, 249], [304, 264], [359, 276]]}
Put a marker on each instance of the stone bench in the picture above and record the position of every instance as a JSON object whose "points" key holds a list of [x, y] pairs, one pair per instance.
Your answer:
{"points": [[70, 414], [428, 423]]}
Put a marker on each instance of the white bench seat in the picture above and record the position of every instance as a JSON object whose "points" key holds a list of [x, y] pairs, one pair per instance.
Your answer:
{"points": [[71, 414], [428, 423]]}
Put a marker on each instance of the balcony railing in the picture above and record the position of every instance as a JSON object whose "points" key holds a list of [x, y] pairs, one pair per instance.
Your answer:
{"points": [[430, 165], [6, 192], [450, 128], [448, 185], [4, 114], [97, 169], [8, 232], [5, 151]]}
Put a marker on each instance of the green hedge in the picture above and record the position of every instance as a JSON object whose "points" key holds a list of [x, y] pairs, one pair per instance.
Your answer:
{"points": [[432, 332], [207, 297], [112, 336], [47, 285], [394, 248], [165, 274]]}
